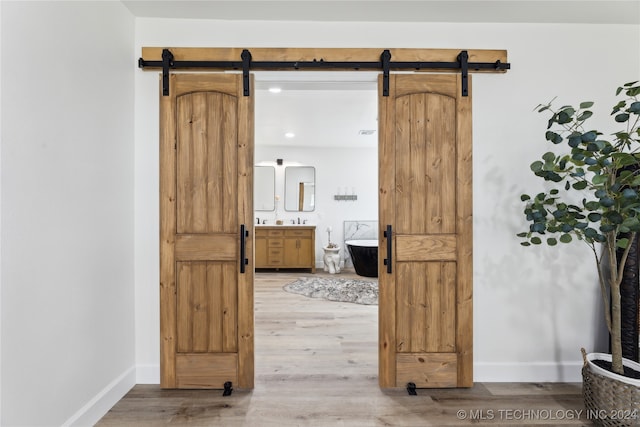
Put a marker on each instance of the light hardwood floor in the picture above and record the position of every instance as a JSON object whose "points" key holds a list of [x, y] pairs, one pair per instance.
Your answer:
{"points": [[316, 365]]}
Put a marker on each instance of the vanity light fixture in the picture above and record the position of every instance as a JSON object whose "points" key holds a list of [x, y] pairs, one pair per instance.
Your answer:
{"points": [[275, 89]]}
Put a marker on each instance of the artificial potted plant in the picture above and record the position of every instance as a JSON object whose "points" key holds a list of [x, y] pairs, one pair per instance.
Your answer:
{"points": [[593, 196]]}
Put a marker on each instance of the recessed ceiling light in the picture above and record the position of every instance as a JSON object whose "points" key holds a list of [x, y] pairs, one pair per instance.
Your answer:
{"points": [[366, 132], [289, 134], [275, 89]]}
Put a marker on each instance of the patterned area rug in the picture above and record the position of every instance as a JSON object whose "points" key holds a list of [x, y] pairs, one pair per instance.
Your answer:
{"points": [[343, 290]]}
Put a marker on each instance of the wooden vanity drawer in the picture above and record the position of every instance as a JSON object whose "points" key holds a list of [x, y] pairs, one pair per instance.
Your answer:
{"points": [[275, 243], [298, 233], [275, 256], [275, 233]]}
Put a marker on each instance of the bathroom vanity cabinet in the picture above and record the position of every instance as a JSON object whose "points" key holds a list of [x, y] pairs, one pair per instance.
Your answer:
{"points": [[282, 246]]}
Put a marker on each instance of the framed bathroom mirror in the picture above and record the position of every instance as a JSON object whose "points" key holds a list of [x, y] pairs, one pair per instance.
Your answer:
{"points": [[264, 188], [299, 188]]}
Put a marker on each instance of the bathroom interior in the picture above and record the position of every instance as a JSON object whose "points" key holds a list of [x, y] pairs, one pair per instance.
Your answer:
{"points": [[316, 168]]}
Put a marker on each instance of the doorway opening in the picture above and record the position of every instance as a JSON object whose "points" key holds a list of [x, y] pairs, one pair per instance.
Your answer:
{"points": [[327, 123]]}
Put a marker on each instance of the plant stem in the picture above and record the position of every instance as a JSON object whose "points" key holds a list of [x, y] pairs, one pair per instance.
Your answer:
{"points": [[603, 288], [616, 271], [616, 339]]}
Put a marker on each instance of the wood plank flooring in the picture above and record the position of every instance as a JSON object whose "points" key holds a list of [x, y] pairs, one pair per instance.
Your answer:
{"points": [[316, 365]]}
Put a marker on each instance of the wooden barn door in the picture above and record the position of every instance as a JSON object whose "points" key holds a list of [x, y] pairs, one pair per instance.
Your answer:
{"points": [[206, 216], [425, 323]]}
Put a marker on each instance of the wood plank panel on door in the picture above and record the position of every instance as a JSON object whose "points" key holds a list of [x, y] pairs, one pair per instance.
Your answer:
{"points": [[206, 153], [425, 196]]}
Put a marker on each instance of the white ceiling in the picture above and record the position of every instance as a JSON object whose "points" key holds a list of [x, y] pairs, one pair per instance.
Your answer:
{"points": [[534, 11], [330, 108], [322, 109]]}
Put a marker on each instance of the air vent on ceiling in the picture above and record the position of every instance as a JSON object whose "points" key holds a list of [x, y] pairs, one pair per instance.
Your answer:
{"points": [[366, 132]]}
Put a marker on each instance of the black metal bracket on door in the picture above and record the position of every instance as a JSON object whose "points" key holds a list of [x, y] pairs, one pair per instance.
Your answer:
{"points": [[167, 61], [385, 64], [463, 59], [243, 248], [411, 389], [388, 261], [246, 66], [385, 58], [228, 388]]}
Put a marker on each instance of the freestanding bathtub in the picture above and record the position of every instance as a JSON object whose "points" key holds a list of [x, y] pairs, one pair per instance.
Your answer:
{"points": [[364, 254]]}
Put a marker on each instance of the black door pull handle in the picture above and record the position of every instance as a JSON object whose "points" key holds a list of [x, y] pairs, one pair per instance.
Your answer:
{"points": [[244, 233], [388, 234]]}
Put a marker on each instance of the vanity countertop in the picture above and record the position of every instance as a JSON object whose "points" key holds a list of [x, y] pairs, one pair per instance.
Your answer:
{"points": [[285, 225]]}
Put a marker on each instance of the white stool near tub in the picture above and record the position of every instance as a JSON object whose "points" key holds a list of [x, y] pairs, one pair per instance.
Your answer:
{"points": [[331, 259]]}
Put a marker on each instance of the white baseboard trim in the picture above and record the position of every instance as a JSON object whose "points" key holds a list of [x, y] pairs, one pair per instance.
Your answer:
{"points": [[482, 372], [528, 372], [148, 374], [100, 404]]}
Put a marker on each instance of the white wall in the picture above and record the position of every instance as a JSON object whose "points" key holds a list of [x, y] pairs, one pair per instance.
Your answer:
{"points": [[67, 282], [1, 85], [534, 308]]}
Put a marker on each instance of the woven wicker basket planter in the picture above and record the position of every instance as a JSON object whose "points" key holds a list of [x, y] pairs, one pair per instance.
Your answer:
{"points": [[610, 399]]}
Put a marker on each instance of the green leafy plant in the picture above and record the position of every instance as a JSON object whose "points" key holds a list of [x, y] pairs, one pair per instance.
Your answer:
{"points": [[595, 196]]}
